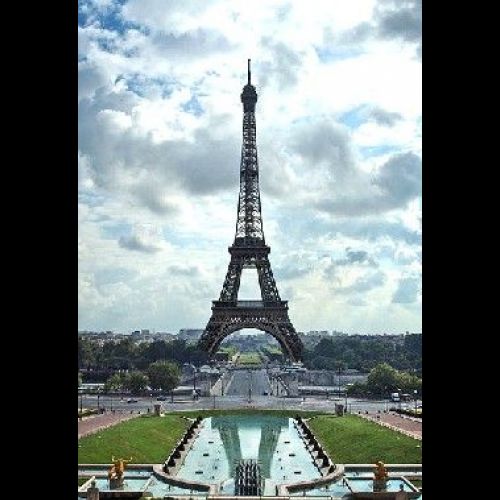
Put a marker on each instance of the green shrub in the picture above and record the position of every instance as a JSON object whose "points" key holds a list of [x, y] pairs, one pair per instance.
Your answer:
{"points": [[87, 412]]}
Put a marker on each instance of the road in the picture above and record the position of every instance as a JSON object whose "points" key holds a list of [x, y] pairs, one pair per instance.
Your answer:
{"points": [[248, 383], [246, 389], [234, 401]]}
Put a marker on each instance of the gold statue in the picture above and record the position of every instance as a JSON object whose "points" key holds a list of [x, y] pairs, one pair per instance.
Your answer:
{"points": [[380, 472], [118, 468]]}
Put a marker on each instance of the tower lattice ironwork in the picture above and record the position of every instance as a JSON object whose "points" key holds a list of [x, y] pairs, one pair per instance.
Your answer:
{"points": [[249, 250]]}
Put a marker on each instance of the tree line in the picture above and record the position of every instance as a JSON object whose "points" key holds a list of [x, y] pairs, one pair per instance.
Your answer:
{"points": [[160, 375], [365, 352], [98, 363], [383, 379]]}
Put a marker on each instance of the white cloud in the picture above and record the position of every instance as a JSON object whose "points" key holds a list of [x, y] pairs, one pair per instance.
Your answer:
{"points": [[159, 145]]}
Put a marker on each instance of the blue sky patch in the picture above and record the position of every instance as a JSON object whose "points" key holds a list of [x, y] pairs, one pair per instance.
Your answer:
{"points": [[327, 55], [193, 106], [108, 18], [382, 149], [143, 85], [354, 117], [114, 230]]}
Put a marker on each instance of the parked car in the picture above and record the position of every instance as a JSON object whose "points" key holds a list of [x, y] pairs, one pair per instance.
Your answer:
{"points": [[161, 398], [131, 400]]}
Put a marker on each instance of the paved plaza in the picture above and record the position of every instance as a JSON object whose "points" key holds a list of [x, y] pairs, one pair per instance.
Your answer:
{"points": [[408, 425], [95, 423]]}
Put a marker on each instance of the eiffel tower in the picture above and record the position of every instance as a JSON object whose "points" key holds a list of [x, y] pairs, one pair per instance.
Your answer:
{"points": [[249, 250]]}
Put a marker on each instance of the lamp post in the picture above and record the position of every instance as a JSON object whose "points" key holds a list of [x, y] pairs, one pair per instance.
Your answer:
{"points": [[98, 405], [194, 382], [415, 392], [81, 404], [249, 386]]}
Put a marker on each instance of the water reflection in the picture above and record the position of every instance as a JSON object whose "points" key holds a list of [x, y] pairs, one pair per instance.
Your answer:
{"points": [[250, 438]]}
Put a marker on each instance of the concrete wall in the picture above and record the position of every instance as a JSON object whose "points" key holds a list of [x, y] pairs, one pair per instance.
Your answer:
{"points": [[329, 377]]}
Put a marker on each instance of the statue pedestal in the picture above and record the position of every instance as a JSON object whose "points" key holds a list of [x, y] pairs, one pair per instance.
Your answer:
{"points": [[116, 483], [401, 495], [157, 409], [379, 484], [93, 492]]}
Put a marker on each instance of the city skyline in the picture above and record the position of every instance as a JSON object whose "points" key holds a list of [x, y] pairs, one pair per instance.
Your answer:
{"points": [[338, 134]]}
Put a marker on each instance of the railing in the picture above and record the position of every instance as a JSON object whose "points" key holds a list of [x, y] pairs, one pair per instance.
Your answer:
{"points": [[250, 304]]}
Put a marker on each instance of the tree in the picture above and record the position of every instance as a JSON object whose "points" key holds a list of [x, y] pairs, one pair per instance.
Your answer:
{"points": [[164, 375], [136, 382], [115, 382], [382, 379], [86, 353], [79, 379]]}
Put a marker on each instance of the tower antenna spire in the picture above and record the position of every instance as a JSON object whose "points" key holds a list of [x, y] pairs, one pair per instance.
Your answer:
{"points": [[249, 73]]}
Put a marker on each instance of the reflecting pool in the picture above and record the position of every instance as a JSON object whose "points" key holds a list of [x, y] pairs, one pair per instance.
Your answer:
{"points": [[273, 441]]}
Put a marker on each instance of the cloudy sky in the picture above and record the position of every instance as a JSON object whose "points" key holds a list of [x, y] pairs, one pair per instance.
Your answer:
{"points": [[339, 141]]}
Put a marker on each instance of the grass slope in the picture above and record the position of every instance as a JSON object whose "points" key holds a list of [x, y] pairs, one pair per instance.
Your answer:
{"points": [[248, 411], [353, 440], [249, 358], [348, 439], [147, 440]]}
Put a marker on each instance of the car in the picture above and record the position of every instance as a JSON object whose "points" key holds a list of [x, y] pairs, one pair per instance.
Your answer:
{"points": [[131, 400], [265, 393], [161, 398]]}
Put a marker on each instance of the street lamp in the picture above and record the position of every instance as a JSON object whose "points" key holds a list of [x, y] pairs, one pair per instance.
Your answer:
{"points": [[415, 392], [249, 386], [81, 404], [339, 379], [194, 382]]}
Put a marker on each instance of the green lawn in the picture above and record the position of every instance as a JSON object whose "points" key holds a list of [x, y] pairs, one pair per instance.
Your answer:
{"points": [[248, 411], [348, 439], [249, 358], [353, 440], [417, 483], [147, 440]]}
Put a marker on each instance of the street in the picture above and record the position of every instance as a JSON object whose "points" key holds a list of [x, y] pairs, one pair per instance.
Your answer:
{"points": [[245, 389], [248, 383]]}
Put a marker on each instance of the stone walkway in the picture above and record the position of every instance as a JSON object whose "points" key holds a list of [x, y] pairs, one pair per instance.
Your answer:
{"points": [[95, 423], [407, 425]]}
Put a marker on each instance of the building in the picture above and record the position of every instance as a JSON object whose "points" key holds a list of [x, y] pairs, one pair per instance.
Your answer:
{"points": [[190, 335]]}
